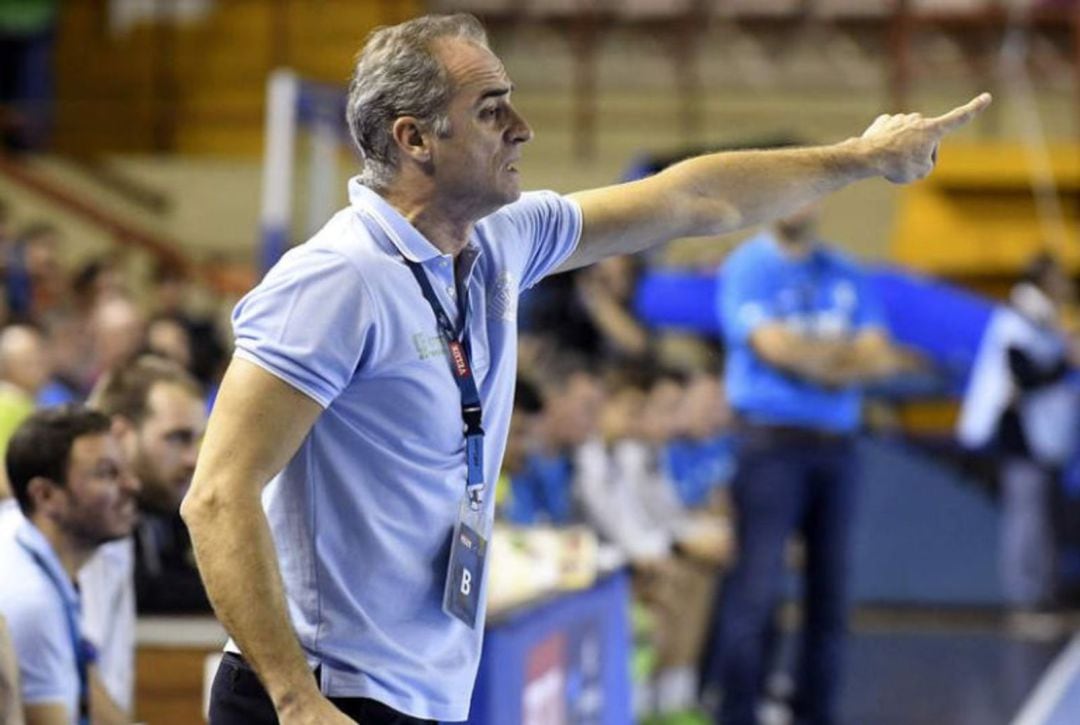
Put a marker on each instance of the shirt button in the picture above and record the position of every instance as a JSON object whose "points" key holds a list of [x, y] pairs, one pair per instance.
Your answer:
{"points": [[451, 291]]}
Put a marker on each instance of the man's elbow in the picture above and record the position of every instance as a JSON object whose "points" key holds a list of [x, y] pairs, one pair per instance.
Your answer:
{"points": [[200, 505], [709, 216]]}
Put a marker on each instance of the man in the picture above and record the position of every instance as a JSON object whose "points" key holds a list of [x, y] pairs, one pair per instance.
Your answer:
{"points": [[542, 491], [1022, 406], [25, 369], [803, 331], [341, 391], [160, 416], [73, 486]]}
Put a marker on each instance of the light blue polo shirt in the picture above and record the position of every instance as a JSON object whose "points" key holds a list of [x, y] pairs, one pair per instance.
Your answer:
{"points": [[823, 294], [362, 514], [37, 619]]}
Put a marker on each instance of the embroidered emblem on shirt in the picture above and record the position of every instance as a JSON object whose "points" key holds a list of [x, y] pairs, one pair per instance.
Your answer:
{"points": [[502, 303]]}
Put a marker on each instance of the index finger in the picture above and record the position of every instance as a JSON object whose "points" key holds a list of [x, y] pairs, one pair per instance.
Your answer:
{"points": [[960, 115]]}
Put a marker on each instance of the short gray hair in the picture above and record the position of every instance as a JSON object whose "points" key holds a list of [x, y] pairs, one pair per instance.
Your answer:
{"points": [[397, 74]]}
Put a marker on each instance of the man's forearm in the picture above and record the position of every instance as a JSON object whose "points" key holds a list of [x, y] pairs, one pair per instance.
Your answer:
{"points": [[713, 194], [103, 709], [720, 193], [236, 557], [815, 360]]}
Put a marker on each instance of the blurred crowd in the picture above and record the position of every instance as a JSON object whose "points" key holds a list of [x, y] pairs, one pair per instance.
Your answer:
{"points": [[106, 377], [627, 435]]}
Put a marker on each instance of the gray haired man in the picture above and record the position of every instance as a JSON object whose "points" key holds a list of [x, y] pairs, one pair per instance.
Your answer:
{"points": [[340, 503]]}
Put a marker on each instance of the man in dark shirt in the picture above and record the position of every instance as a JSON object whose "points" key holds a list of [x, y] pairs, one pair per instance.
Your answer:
{"points": [[160, 414]]}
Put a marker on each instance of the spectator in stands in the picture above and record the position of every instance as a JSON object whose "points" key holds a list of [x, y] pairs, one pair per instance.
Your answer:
{"points": [[97, 280], [76, 492], [168, 336], [524, 426], [173, 297], [25, 369], [157, 412], [36, 279], [1021, 404], [160, 415], [71, 351], [542, 492], [118, 329], [700, 458], [589, 311], [804, 330], [628, 499]]}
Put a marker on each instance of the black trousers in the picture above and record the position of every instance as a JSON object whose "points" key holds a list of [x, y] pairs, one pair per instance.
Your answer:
{"points": [[238, 698]]}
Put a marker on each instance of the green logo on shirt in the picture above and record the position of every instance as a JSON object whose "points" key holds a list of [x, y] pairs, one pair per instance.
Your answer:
{"points": [[428, 345]]}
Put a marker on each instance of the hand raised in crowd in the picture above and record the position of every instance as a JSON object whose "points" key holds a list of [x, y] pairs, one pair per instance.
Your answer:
{"points": [[907, 143]]}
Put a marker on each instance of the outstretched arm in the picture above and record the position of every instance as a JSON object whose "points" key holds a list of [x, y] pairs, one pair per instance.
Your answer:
{"points": [[722, 192]]}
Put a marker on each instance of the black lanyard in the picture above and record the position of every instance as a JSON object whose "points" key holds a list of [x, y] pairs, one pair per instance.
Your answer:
{"points": [[83, 655], [457, 343]]}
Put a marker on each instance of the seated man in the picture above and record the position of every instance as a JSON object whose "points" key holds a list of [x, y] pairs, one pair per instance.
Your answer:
{"points": [[159, 413], [73, 486]]}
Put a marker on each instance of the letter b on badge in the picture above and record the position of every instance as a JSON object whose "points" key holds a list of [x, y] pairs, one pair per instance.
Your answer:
{"points": [[461, 593], [466, 582]]}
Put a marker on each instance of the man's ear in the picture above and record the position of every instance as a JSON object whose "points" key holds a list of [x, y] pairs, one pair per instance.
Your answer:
{"points": [[412, 141], [43, 492]]}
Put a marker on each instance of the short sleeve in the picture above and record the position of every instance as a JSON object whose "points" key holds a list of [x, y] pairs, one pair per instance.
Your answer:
{"points": [[47, 668], [306, 322], [547, 226], [744, 297]]}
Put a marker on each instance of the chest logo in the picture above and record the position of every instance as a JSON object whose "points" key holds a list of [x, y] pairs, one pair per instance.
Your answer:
{"points": [[502, 303]]}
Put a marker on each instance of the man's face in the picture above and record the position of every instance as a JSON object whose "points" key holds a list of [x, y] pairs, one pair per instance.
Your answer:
{"points": [[167, 445], [100, 492], [477, 161], [26, 361]]}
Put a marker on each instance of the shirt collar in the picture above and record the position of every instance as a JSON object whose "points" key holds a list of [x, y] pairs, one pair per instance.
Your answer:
{"points": [[35, 543], [413, 245]]}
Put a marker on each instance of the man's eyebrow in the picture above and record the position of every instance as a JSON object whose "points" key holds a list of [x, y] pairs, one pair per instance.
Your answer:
{"points": [[495, 93]]}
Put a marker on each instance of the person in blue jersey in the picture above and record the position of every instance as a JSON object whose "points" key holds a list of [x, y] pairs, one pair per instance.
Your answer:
{"points": [[804, 331], [340, 502], [76, 492]]}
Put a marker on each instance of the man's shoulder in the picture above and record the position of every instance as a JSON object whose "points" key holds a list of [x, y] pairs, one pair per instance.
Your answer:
{"points": [[344, 252], [344, 237], [27, 596]]}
